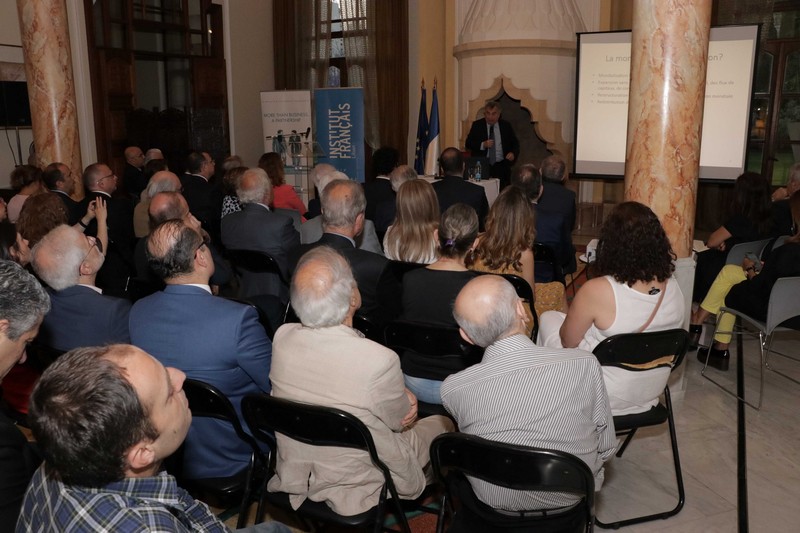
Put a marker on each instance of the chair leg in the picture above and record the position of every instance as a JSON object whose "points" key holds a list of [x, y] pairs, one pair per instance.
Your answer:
{"points": [[739, 331], [627, 441], [442, 514], [678, 478]]}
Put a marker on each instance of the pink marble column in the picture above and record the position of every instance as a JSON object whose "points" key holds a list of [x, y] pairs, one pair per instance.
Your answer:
{"points": [[48, 69], [665, 113]]}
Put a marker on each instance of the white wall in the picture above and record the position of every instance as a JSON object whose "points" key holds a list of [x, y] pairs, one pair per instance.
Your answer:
{"points": [[250, 63]]}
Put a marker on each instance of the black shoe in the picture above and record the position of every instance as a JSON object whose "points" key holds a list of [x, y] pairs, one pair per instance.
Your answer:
{"points": [[695, 330], [719, 359]]}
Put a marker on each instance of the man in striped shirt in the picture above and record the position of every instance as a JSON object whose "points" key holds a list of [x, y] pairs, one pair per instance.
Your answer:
{"points": [[524, 394]]}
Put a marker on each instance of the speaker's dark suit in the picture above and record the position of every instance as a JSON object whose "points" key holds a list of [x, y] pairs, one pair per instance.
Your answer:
{"points": [[214, 340], [379, 288], [454, 189], [376, 192], [257, 228], [555, 221], [205, 202], [18, 461], [80, 316], [74, 213], [479, 133], [119, 264]]}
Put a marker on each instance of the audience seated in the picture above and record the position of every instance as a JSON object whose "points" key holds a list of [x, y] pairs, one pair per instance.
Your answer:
{"points": [[101, 182], [234, 170], [635, 291], [26, 180], [555, 213], [453, 189], [324, 361], [386, 210], [343, 206], [527, 395], [428, 296], [283, 194], [311, 230], [318, 173], [133, 179], [209, 338], [20, 317], [105, 419], [153, 154], [746, 288], [752, 217], [507, 248], [257, 227], [384, 160], [204, 198], [161, 181], [80, 315], [412, 237], [59, 179]]}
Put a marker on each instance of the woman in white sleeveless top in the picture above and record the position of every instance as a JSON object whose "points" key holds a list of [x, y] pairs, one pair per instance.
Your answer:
{"points": [[636, 291]]}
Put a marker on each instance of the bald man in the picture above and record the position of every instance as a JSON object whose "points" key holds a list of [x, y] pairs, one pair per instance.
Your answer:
{"points": [[523, 394], [161, 181], [133, 177]]}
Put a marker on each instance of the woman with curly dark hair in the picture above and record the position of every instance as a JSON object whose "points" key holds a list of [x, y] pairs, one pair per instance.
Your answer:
{"points": [[635, 292]]}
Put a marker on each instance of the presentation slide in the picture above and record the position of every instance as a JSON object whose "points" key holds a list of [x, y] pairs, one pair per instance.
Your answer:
{"points": [[602, 102]]}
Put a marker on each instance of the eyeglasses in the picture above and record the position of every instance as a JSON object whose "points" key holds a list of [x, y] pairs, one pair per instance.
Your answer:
{"points": [[93, 243], [112, 175]]}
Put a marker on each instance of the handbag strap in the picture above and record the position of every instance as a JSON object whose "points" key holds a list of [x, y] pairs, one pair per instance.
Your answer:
{"points": [[655, 310]]}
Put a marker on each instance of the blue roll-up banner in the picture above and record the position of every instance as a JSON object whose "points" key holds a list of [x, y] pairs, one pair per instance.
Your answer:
{"points": [[339, 129]]}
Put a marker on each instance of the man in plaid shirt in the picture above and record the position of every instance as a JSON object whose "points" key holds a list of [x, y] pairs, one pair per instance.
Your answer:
{"points": [[105, 418]]}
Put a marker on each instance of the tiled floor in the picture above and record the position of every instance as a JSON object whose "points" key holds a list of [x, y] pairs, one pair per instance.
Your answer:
{"points": [[642, 481]]}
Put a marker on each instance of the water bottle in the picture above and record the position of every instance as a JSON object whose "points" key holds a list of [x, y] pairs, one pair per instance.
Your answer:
{"points": [[478, 172]]}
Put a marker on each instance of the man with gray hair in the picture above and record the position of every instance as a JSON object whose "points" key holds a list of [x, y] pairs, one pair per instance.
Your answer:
{"points": [[524, 394], [324, 361], [258, 227], [343, 205], [23, 303], [311, 230], [555, 212], [161, 181], [81, 315]]}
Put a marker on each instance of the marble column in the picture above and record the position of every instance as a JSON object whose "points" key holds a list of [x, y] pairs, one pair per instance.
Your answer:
{"points": [[665, 113], [48, 69]]}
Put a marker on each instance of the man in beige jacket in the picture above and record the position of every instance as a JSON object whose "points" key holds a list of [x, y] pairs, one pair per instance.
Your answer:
{"points": [[324, 361]]}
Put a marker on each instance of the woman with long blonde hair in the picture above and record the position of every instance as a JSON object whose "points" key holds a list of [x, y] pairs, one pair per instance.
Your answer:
{"points": [[411, 237]]}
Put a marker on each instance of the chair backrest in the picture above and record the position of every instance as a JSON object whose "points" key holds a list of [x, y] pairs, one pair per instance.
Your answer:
{"points": [[315, 425], [737, 252], [783, 302], [644, 351], [546, 267], [525, 291], [257, 262], [512, 466], [430, 340], [207, 401]]}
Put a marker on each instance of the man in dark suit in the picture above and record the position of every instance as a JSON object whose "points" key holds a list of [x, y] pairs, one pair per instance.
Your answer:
{"points": [[203, 197], [100, 181], [209, 338], [384, 160], [59, 179], [386, 211], [80, 315], [20, 317], [343, 205], [133, 178], [494, 138], [257, 227], [452, 189], [555, 212]]}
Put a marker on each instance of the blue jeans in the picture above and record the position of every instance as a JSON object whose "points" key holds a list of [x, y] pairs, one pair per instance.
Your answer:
{"points": [[426, 390]]}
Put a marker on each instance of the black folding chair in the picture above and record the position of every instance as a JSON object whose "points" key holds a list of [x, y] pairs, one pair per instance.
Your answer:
{"points": [[525, 292], [456, 455], [318, 426], [207, 401], [256, 262], [546, 267], [436, 341], [640, 352]]}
